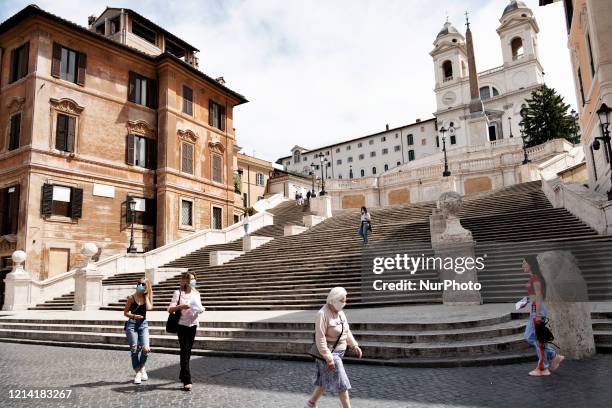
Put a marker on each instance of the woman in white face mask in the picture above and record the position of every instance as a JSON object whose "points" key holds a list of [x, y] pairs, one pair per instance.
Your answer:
{"points": [[187, 300], [332, 328]]}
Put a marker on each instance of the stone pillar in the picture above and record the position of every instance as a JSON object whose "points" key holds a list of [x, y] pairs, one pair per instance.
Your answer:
{"points": [[455, 243], [568, 304], [17, 289], [88, 290], [321, 206]]}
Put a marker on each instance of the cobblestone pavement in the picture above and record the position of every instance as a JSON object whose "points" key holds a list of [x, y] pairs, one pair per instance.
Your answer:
{"points": [[102, 378]]}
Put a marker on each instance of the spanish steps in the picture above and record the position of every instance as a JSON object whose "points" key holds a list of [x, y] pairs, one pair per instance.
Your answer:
{"points": [[296, 272]]}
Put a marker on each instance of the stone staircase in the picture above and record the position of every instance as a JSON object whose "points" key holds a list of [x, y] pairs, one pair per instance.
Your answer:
{"points": [[485, 341], [286, 213]]}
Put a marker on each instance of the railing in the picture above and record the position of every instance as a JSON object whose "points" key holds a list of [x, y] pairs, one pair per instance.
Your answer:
{"points": [[491, 71]]}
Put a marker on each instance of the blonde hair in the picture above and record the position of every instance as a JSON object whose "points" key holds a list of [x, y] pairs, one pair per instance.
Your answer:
{"points": [[335, 294], [148, 288]]}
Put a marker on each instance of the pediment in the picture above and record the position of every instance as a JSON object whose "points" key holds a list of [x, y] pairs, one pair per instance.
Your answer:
{"points": [[15, 103], [66, 105], [187, 135], [139, 127]]}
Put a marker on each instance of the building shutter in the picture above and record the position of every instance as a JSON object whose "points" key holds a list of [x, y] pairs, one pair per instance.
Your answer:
{"points": [[150, 216], [81, 68], [76, 203], [46, 207], [70, 134], [132, 87], [210, 112], [222, 118], [129, 151], [13, 210], [12, 72], [187, 158], [26, 59], [3, 209], [15, 131], [56, 60], [151, 93], [61, 132], [217, 169], [152, 154]]}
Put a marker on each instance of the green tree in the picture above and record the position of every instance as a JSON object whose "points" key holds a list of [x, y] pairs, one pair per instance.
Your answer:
{"points": [[546, 117]]}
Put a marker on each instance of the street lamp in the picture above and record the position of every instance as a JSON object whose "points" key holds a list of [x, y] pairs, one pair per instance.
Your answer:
{"points": [[312, 173], [446, 172], [323, 161], [604, 120], [132, 207], [574, 115], [522, 128]]}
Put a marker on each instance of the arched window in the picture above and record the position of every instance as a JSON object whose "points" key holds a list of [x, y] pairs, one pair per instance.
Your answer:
{"points": [[362, 172], [447, 70], [386, 167], [488, 92], [373, 170], [517, 48]]}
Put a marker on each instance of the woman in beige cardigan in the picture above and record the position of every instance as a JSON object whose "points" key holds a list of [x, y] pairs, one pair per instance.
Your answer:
{"points": [[330, 323]]}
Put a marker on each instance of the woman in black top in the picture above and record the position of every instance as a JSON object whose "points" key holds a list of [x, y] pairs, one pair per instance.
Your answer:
{"points": [[137, 328]]}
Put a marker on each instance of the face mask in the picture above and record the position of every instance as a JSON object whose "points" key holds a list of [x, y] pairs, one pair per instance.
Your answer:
{"points": [[338, 305], [140, 287], [192, 283]]}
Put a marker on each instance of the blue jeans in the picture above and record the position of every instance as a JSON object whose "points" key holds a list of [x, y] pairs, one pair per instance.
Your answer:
{"points": [[137, 333], [544, 351], [363, 231]]}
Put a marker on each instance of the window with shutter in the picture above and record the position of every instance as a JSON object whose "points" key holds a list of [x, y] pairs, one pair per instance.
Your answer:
{"points": [[187, 100], [132, 86], [76, 207], [61, 201], [19, 62], [150, 214], [217, 164], [56, 60], [61, 133], [12, 222], [81, 68], [217, 221], [216, 115], [15, 131], [129, 150], [70, 135], [151, 154], [140, 146], [187, 158], [46, 207], [68, 65]]}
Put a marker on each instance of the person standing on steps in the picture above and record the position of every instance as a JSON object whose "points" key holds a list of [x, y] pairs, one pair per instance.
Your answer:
{"points": [[187, 300], [364, 225], [548, 358], [308, 197], [331, 327], [137, 328]]}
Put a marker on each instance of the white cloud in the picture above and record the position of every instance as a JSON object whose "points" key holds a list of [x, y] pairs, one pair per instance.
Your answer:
{"points": [[319, 72]]}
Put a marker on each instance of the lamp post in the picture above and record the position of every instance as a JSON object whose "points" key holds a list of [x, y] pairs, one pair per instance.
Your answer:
{"points": [[446, 172], [510, 126], [323, 161], [312, 169], [604, 120], [132, 207], [574, 115], [522, 128]]}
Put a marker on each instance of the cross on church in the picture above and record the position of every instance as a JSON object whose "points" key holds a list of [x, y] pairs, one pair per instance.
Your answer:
{"points": [[467, 19]]}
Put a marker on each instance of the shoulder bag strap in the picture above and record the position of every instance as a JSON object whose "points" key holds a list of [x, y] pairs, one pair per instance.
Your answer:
{"points": [[341, 331]]}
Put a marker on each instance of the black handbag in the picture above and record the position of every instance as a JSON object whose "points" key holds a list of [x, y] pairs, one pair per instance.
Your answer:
{"points": [[543, 333], [173, 318], [314, 350]]}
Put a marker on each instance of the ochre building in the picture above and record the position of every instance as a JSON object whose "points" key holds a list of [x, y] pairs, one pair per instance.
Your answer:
{"points": [[94, 117]]}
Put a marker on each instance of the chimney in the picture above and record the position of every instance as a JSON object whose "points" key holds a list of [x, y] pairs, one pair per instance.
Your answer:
{"points": [[387, 126], [220, 80], [418, 120], [91, 19]]}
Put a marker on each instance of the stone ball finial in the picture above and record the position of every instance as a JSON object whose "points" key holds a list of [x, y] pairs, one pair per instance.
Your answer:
{"points": [[450, 202], [89, 249], [18, 257]]}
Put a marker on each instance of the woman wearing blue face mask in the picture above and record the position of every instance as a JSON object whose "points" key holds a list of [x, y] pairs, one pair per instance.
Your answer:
{"points": [[137, 328], [187, 300]]}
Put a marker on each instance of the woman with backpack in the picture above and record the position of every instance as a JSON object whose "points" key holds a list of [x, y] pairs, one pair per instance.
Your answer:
{"points": [[187, 300], [548, 358], [137, 328], [332, 338]]}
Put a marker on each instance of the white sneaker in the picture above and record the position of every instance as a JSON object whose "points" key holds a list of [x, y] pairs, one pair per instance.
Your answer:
{"points": [[137, 378], [143, 374]]}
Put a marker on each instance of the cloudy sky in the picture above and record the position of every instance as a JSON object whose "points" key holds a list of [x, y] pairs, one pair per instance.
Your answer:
{"points": [[318, 72]]}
